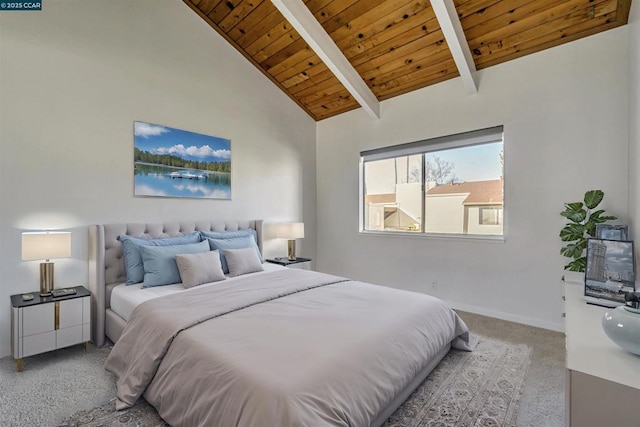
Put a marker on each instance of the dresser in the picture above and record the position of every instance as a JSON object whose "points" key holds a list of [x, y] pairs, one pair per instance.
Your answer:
{"points": [[47, 323], [603, 380]]}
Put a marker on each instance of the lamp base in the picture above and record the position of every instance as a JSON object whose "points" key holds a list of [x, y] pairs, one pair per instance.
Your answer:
{"points": [[46, 279], [291, 250]]}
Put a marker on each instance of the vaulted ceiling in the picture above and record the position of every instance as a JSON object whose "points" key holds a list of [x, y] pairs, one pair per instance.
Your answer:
{"points": [[397, 46]]}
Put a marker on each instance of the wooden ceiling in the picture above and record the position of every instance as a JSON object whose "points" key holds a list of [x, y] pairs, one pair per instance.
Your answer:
{"points": [[397, 46]]}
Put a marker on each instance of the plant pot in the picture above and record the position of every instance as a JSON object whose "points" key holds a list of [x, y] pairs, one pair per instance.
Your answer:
{"points": [[622, 326]]}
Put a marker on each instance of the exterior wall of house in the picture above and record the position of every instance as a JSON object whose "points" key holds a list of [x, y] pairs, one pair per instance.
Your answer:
{"points": [[445, 213], [409, 197], [474, 226]]}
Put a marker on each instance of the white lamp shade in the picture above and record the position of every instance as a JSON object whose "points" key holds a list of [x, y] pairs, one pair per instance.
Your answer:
{"points": [[291, 230], [46, 245]]}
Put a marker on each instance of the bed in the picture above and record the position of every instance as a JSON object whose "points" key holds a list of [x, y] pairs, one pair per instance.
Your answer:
{"points": [[280, 347]]}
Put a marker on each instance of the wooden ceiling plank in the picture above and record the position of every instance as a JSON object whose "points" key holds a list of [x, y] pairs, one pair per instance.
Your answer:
{"points": [[574, 18], [256, 24], [532, 21], [358, 27], [452, 28], [327, 109], [238, 14], [433, 63], [326, 12], [314, 34], [384, 30], [504, 12], [364, 64], [475, 7], [287, 58], [233, 43], [557, 31], [223, 8], [406, 88], [421, 23], [605, 22], [294, 64], [206, 6], [622, 14], [447, 70], [333, 16], [514, 16]]}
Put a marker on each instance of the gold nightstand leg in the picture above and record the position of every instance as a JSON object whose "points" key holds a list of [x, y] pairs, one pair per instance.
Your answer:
{"points": [[19, 364], [86, 346]]}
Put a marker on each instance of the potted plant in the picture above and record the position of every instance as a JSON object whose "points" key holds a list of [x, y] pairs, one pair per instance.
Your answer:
{"points": [[583, 219]]}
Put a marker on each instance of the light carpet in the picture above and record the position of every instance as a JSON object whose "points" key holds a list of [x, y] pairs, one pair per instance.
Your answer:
{"points": [[481, 388]]}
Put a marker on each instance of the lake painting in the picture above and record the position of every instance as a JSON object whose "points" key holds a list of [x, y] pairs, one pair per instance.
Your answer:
{"points": [[171, 162]]}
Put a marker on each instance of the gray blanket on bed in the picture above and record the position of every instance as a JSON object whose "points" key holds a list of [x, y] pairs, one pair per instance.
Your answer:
{"points": [[285, 348]]}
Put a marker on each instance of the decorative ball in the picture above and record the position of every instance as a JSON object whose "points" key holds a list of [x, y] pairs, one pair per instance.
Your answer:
{"points": [[622, 326]]}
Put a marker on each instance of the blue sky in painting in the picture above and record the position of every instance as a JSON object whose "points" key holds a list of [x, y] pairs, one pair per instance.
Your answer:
{"points": [[187, 145]]}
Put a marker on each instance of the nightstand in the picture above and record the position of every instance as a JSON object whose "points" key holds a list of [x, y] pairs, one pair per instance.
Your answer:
{"points": [[300, 263], [47, 323]]}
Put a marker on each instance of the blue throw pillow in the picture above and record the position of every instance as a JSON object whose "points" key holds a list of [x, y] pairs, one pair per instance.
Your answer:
{"points": [[236, 243], [160, 266], [229, 234], [133, 259]]}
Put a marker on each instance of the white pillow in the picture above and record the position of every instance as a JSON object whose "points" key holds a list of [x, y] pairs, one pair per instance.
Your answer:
{"points": [[242, 261], [196, 269]]}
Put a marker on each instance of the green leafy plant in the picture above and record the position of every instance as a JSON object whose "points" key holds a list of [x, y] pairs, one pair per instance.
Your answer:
{"points": [[583, 219]]}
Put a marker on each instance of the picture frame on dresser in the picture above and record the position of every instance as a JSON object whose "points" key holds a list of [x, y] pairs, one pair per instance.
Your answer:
{"points": [[610, 271], [612, 232]]}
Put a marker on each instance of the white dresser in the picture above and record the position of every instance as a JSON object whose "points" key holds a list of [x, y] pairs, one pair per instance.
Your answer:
{"points": [[46, 323], [603, 380]]}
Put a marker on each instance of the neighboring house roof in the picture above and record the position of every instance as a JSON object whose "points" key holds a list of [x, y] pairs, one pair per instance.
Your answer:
{"points": [[380, 198], [479, 192]]}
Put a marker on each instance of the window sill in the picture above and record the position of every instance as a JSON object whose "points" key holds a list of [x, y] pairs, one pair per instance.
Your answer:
{"points": [[437, 236]]}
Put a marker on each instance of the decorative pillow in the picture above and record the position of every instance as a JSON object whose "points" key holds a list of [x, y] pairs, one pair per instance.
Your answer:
{"points": [[196, 269], [133, 258], [242, 261], [229, 234], [236, 243], [159, 262]]}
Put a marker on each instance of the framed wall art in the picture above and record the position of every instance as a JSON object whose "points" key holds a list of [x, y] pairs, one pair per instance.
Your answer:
{"points": [[171, 162], [610, 271]]}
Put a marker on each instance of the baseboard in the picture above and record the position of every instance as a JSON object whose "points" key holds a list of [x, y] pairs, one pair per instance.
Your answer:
{"points": [[552, 326]]}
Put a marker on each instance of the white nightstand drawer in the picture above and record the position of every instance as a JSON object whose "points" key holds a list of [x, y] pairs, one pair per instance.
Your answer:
{"points": [[71, 312], [69, 336], [36, 344], [37, 319]]}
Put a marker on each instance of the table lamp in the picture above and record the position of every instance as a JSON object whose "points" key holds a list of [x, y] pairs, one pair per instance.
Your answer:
{"points": [[290, 231], [46, 245]]}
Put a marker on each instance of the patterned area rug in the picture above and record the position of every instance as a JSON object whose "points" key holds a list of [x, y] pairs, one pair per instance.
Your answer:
{"points": [[477, 389]]}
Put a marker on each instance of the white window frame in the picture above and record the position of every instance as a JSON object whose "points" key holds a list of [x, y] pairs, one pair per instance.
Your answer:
{"points": [[460, 140]]}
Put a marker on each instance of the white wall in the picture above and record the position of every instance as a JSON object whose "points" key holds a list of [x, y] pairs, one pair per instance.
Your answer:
{"points": [[565, 117], [75, 76], [634, 126]]}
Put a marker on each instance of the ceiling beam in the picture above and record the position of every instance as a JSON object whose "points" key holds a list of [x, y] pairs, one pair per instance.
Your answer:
{"points": [[301, 18], [451, 27]]}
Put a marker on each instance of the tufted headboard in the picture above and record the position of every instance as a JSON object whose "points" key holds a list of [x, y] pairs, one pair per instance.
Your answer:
{"points": [[106, 266]]}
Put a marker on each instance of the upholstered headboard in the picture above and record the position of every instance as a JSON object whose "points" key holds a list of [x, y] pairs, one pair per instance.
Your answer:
{"points": [[106, 265]]}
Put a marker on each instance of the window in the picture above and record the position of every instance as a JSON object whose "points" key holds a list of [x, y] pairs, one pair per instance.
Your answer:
{"points": [[447, 185]]}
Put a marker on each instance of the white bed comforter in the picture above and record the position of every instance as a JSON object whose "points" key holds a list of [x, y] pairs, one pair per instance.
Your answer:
{"points": [[287, 348]]}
